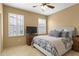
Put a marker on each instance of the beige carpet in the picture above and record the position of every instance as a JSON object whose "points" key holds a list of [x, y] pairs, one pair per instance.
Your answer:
{"points": [[29, 51]]}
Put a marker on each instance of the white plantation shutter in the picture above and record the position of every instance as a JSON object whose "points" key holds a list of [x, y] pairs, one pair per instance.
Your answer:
{"points": [[41, 26], [15, 24]]}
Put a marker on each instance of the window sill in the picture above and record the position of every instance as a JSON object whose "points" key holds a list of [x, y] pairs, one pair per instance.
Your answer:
{"points": [[16, 36]]}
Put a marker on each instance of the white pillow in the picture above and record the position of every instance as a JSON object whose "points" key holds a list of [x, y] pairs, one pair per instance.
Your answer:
{"points": [[58, 29]]}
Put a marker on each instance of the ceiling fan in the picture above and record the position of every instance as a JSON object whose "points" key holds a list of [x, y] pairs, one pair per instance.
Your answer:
{"points": [[44, 5]]}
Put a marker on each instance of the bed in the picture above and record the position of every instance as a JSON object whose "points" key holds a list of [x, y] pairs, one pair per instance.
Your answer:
{"points": [[53, 45]]}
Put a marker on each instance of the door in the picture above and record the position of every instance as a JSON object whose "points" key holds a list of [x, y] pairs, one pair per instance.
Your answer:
{"points": [[0, 34]]}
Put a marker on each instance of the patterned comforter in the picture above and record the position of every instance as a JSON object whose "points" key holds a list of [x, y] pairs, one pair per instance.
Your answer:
{"points": [[55, 45]]}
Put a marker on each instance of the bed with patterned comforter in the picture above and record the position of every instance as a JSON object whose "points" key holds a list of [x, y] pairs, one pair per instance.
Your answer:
{"points": [[55, 46]]}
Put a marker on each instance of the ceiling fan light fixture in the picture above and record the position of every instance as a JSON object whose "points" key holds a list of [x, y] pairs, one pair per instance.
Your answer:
{"points": [[44, 7]]}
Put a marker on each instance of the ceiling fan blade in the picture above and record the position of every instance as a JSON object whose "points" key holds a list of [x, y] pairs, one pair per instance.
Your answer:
{"points": [[34, 6], [50, 6], [45, 3]]}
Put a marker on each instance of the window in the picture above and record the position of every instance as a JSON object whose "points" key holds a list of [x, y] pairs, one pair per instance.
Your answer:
{"points": [[41, 26], [15, 24]]}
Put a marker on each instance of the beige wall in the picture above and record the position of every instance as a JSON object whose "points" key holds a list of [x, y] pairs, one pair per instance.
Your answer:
{"points": [[1, 27], [31, 19], [67, 17]]}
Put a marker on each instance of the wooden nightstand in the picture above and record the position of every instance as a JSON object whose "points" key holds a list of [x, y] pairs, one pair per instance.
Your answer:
{"points": [[76, 43], [29, 38]]}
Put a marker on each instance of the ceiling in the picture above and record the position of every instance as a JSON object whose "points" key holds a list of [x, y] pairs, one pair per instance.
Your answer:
{"points": [[48, 11]]}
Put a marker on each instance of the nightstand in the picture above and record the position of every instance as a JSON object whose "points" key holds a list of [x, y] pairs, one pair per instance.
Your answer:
{"points": [[76, 43], [29, 38]]}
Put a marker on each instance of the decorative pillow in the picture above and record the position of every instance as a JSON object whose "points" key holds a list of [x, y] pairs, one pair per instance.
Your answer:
{"points": [[70, 34], [65, 34], [55, 33], [72, 31]]}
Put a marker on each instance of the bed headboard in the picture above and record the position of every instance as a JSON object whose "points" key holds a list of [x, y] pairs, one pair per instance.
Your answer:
{"points": [[73, 29]]}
